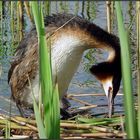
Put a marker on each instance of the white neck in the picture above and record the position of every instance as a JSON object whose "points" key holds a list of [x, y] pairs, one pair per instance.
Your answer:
{"points": [[66, 56]]}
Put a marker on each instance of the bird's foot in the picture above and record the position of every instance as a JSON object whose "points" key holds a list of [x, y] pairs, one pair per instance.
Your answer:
{"points": [[65, 104]]}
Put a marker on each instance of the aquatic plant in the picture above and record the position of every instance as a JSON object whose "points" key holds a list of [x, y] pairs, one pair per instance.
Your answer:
{"points": [[138, 60], [130, 115], [50, 100]]}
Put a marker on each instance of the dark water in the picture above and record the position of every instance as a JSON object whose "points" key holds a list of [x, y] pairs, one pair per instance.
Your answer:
{"points": [[83, 81]]}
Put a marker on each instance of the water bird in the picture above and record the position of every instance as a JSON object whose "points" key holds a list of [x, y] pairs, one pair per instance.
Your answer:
{"points": [[70, 36]]}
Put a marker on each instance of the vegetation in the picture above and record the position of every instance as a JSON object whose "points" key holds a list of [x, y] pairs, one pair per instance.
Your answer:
{"points": [[47, 112], [138, 62], [50, 100], [130, 121]]}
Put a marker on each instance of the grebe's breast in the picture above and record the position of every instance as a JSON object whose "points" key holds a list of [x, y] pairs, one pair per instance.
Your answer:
{"points": [[66, 53]]}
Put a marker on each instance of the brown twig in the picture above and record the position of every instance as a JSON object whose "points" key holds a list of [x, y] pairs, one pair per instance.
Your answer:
{"points": [[92, 135], [88, 94], [24, 124], [80, 101], [87, 126], [87, 107]]}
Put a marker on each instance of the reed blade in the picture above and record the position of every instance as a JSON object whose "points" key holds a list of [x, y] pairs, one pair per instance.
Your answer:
{"points": [[40, 125], [138, 62], [50, 99], [130, 116]]}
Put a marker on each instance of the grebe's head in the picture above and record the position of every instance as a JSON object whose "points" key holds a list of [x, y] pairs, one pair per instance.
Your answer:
{"points": [[109, 75]]}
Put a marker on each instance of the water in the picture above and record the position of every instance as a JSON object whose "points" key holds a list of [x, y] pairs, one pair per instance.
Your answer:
{"points": [[83, 81]]}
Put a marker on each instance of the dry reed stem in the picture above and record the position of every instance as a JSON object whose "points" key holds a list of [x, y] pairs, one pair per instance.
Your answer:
{"points": [[20, 16], [24, 124], [53, 33], [73, 131], [86, 126], [27, 9], [19, 122], [94, 106], [17, 137], [72, 138], [87, 107], [91, 135], [27, 120], [108, 6], [13, 125], [88, 94], [80, 101], [77, 131]]}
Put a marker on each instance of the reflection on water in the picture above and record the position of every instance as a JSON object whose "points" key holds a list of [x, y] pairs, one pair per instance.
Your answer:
{"points": [[83, 81]]}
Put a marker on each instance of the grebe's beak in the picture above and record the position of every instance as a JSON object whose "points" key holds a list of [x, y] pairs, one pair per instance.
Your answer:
{"points": [[108, 88]]}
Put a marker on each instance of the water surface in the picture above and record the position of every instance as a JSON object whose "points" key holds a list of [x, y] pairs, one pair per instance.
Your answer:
{"points": [[83, 81]]}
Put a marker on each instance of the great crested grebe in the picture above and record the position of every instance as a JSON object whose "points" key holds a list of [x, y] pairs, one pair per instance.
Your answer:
{"points": [[72, 35]]}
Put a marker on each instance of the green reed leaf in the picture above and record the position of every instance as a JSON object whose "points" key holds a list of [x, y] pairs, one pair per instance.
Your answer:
{"points": [[130, 117]]}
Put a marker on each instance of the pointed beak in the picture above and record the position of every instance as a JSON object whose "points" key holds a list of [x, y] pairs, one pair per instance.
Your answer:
{"points": [[108, 88]]}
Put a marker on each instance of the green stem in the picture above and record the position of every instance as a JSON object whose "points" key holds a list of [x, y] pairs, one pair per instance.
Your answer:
{"points": [[130, 117]]}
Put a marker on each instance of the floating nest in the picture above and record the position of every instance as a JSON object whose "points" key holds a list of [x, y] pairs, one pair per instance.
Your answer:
{"points": [[78, 127], [82, 125]]}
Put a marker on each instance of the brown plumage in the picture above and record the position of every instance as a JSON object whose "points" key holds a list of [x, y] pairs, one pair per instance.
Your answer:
{"points": [[67, 44]]}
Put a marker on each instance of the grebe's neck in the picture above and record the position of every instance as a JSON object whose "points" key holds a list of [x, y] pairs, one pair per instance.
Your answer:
{"points": [[69, 44], [109, 71], [88, 34], [105, 41]]}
